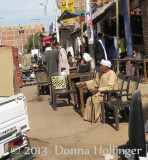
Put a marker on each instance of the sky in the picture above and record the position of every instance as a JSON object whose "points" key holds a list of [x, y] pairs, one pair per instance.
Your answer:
{"points": [[22, 11]]}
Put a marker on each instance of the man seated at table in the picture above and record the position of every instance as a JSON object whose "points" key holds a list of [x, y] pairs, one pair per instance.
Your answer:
{"points": [[84, 65], [108, 81], [130, 66]]}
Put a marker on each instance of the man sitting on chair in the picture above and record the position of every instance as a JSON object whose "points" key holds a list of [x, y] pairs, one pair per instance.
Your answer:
{"points": [[108, 81]]}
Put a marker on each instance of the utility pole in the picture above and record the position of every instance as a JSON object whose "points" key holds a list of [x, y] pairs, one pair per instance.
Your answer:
{"points": [[45, 14], [117, 33], [56, 18], [90, 33]]}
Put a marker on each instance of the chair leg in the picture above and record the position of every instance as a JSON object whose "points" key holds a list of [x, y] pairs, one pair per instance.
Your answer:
{"points": [[50, 90], [103, 112], [38, 90], [69, 99], [126, 112], [106, 114], [54, 102], [78, 98], [51, 95], [116, 118], [74, 95]]}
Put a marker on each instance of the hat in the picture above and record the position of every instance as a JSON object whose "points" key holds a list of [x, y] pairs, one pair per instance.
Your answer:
{"points": [[106, 63], [87, 57]]}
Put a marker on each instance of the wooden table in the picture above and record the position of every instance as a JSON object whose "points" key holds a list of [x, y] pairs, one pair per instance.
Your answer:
{"points": [[144, 61], [81, 98], [72, 69], [77, 75]]}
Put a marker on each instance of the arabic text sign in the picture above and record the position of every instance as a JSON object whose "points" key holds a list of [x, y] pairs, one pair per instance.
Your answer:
{"points": [[69, 6]]}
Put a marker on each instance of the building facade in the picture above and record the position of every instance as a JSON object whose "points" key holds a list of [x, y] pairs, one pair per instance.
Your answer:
{"points": [[17, 36], [79, 4]]}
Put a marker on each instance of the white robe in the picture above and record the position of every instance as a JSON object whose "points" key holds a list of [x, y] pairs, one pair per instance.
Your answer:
{"points": [[107, 82], [63, 62]]}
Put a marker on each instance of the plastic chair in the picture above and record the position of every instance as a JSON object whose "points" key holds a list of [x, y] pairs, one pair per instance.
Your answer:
{"points": [[60, 85], [113, 93], [42, 81], [119, 104]]}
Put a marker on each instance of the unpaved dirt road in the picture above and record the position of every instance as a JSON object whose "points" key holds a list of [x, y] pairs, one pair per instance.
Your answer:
{"points": [[63, 135]]}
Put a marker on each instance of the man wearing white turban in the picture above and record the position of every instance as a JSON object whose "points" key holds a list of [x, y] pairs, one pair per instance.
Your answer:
{"points": [[107, 82], [84, 65]]}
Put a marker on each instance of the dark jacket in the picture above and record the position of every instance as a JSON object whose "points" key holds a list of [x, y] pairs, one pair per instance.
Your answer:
{"points": [[99, 51], [51, 60], [84, 68]]}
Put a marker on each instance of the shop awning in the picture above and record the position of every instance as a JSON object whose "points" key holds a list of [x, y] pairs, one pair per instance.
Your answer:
{"points": [[100, 11], [67, 15], [98, 14]]}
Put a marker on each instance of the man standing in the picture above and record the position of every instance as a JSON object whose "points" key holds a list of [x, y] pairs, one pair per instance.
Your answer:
{"points": [[108, 81], [130, 65], [54, 49], [50, 60], [100, 47], [63, 62]]}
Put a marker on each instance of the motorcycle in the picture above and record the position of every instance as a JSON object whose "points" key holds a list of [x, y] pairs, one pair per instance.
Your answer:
{"points": [[27, 75]]}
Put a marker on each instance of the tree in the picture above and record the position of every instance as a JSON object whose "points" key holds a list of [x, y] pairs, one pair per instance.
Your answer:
{"points": [[30, 45]]}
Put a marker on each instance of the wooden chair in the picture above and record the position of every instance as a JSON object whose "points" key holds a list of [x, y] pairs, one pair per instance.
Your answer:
{"points": [[60, 85], [43, 84], [118, 103], [83, 93]]}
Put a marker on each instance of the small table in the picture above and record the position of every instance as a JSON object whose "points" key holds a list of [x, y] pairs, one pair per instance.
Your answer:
{"points": [[144, 61], [72, 69], [81, 97], [77, 75]]}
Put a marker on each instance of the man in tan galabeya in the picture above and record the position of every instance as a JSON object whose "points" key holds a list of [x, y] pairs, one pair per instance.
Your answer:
{"points": [[108, 81]]}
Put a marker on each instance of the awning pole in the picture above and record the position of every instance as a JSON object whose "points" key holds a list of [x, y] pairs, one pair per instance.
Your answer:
{"points": [[117, 33], [57, 28], [127, 28], [90, 33], [82, 37]]}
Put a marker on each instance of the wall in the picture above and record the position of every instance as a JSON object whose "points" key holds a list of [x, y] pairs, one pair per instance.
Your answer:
{"points": [[11, 36], [79, 4], [63, 39]]}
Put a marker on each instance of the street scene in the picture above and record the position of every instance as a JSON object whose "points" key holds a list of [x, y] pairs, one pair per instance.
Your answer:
{"points": [[74, 80]]}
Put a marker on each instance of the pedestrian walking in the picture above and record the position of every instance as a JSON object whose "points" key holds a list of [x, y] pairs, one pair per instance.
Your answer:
{"points": [[63, 61]]}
